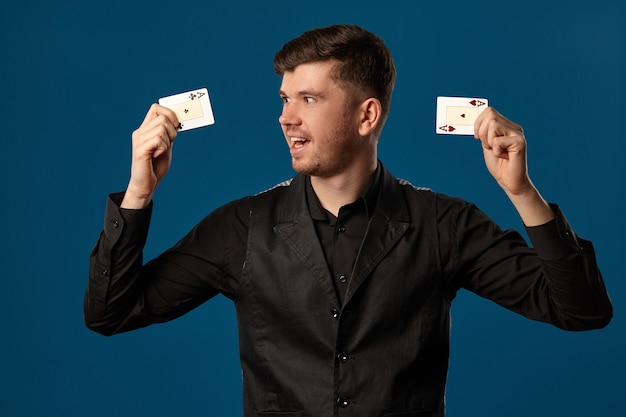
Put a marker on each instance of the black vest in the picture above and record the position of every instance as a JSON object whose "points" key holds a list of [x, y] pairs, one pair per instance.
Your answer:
{"points": [[384, 351]]}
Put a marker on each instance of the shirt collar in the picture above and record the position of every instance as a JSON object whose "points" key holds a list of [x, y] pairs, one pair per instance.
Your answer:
{"points": [[369, 196]]}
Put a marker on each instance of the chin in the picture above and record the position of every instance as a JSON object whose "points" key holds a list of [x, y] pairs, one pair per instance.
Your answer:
{"points": [[305, 169]]}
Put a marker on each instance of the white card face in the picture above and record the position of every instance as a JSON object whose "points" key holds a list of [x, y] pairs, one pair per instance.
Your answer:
{"points": [[192, 108], [456, 115]]}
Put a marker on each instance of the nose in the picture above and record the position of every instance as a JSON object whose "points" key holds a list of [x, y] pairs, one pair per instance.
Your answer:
{"points": [[289, 116]]}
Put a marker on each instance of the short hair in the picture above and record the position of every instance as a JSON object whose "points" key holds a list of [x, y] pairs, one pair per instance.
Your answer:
{"points": [[364, 61]]}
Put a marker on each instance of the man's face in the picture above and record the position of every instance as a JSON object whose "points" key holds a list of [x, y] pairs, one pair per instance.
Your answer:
{"points": [[320, 125]]}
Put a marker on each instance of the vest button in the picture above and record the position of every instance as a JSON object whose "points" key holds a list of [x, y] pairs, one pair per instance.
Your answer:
{"points": [[343, 357], [334, 313], [343, 402]]}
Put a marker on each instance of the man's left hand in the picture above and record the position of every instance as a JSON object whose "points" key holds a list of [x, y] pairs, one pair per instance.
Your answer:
{"points": [[504, 148]]}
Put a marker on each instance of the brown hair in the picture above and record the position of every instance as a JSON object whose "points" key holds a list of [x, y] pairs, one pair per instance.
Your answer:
{"points": [[364, 64]]}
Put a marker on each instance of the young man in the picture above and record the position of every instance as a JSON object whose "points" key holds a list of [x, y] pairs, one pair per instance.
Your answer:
{"points": [[343, 277]]}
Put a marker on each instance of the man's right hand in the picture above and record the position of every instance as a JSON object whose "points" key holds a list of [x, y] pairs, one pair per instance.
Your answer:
{"points": [[152, 155]]}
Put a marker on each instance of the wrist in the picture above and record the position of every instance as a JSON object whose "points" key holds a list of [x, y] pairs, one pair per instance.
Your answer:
{"points": [[135, 200], [531, 206]]}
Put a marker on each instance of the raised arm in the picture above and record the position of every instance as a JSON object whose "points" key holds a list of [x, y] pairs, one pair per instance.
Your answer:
{"points": [[559, 281], [504, 149], [152, 156]]}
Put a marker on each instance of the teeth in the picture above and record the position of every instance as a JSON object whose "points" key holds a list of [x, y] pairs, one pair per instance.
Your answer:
{"points": [[297, 142]]}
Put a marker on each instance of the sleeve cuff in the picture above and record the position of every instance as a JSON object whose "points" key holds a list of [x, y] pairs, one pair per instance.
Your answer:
{"points": [[555, 239], [129, 226]]}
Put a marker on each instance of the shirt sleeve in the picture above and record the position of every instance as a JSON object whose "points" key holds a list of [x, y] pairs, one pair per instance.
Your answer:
{"points": [[118, 249], [124, 294], [556, 281], [555, 239]]}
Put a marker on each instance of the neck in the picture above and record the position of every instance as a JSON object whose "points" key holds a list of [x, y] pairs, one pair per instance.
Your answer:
{"points": [[337, 191]]}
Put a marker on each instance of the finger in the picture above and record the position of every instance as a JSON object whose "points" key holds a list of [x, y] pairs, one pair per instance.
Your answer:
{"points": [[151, 114], [490, 124], [482, 126], [165, 147], [151, 126], [157, 110], [153, 140], [507, 147], [493, 133], [160, 137], [499, 146], [172, 128], [161, 145], [498, 138], [480, 121]]}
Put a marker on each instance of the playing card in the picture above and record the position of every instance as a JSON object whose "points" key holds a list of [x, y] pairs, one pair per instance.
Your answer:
{"points": [[456, 115], [193, 108]]}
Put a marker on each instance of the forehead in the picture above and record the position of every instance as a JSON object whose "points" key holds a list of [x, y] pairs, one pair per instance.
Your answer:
{"points": [[309, 76]]}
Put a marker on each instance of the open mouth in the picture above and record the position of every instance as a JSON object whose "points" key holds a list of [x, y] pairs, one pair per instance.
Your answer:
{"points": [[298, 143]]}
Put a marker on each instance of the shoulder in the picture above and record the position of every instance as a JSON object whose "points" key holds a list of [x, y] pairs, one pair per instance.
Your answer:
{"points": [[443, 206], [265, 198], [235, 215], [274, 191], [426, 194]]}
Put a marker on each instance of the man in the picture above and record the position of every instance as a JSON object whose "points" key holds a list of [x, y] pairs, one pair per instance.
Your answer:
{"points": [[342, 278]]}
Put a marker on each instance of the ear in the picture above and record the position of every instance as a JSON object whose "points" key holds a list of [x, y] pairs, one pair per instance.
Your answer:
{"points": [[369, 113]]}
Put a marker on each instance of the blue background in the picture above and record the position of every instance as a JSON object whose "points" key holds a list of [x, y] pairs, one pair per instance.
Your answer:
{"points": [[78, 76]]}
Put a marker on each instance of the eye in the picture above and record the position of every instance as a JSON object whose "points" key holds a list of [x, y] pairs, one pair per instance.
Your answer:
{"points": [[284, 99], [309, 100]]}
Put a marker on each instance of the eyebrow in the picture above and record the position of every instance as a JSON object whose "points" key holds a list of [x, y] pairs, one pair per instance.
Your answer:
{"points": [[302, 93]]}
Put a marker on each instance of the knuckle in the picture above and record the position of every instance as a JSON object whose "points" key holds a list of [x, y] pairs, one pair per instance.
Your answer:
{"points": [[160, 129]]}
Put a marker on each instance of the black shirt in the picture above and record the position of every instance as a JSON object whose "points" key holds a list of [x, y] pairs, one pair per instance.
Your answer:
{"points": [[386, 347], [341, 236]]}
